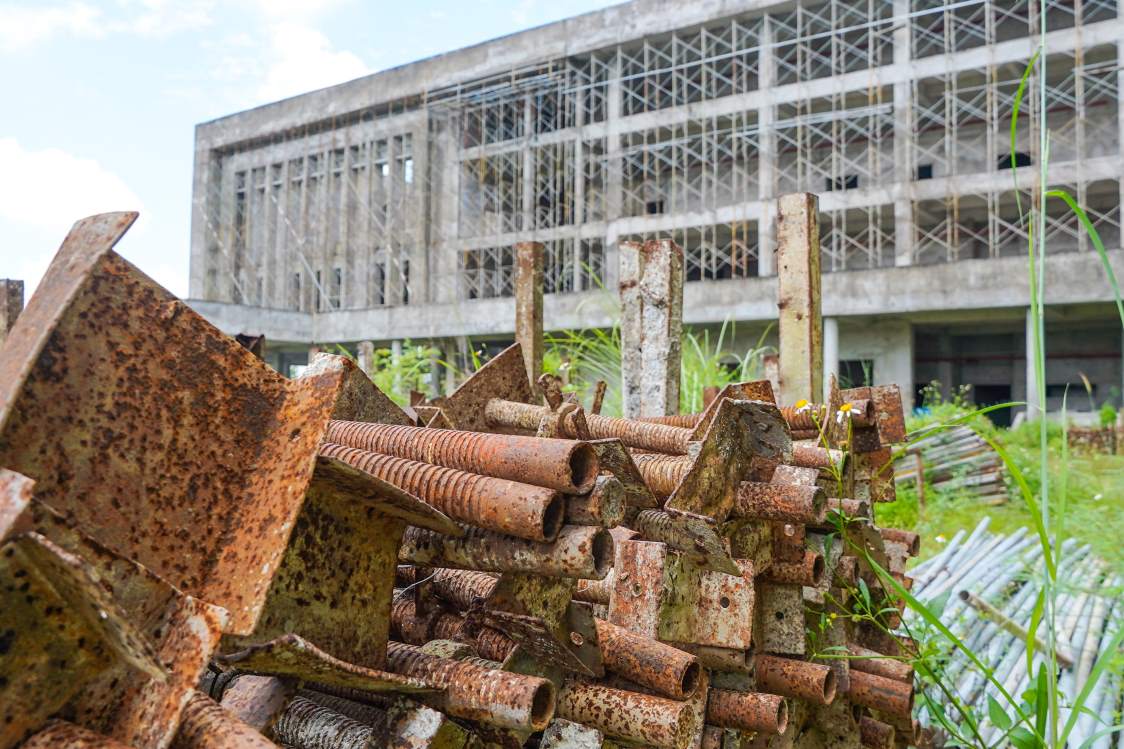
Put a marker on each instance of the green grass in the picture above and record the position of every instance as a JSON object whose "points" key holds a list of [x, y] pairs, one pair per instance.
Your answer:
{"points": [[1095, 492]]}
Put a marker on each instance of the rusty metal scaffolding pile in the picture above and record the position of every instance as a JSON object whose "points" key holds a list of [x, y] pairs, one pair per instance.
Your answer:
{"points": [[198, 552]]}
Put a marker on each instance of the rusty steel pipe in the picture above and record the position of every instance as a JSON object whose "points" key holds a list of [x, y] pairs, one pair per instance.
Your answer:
{"points": [[662, 473], [875, 734], [792, 678], [532, 512], [911, 540], [640, 434], [787, 503], [497, 698], [849, 508], [595, 591], [712, 737], [578, 551], [566, 465], [650, 663], [405, 622], [747, 711], [879, 693], [604, 505], [873, 662], [632, 716], [814, 456], [809, 571], [463, 589], [310, 725], [59, 733]]}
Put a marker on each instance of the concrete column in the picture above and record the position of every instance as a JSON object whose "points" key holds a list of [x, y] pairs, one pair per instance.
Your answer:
{"points": [[766, 155], [1034, 406], [614, 179], [365, 356], [444, 281], [801, 326], [528, 306], [905, 172], [11, 304], [830, 351], [651, 291]]}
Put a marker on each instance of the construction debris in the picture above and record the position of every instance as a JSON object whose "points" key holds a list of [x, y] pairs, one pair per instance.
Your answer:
{"points": [[956, 459], [198, 552]]}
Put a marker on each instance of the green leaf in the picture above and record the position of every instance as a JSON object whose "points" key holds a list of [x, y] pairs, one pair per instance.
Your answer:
{"points": [[865, 593], [1096, 239], [1035, 619], [1094, 676], [1041, 702], [997, 715], [937, 605], [1024, 739]]}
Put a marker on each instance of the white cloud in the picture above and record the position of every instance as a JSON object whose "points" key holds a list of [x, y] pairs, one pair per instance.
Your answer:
{"points": [[43, 193], [23, 26], [303, 59]]}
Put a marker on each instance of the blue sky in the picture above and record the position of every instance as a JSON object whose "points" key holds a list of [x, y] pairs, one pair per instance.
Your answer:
{"points": [[100, 99]]}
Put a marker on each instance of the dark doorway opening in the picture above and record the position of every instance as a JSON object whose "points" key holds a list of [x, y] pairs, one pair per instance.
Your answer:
{"points": [[989, 395]]}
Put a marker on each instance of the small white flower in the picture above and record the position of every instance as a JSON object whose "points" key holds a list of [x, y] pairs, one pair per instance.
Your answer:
{"points": [[843, 413], [1098, 497], [803, 406], [940, 539]]}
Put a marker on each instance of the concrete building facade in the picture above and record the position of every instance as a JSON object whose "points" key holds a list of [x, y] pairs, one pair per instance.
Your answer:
{"points": [[388, 207]]}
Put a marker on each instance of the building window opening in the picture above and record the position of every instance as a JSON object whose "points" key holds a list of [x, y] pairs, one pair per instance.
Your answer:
{"points": [[924, 171], [1022, 158], [334, 296], [856, 373], [846, 182], [653, 207], [317, 301]]}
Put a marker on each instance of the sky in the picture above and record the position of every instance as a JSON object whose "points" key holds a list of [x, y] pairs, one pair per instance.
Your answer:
{"points": [[99, 100]]}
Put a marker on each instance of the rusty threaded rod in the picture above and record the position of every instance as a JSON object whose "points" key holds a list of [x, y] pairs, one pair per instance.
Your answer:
{"points": [[497, 698], [632, 716], [788, 503], [306, 724], [875, 734], [792, 678], [522, 510], [879, 693], [662, 473], [687, 421], [644, 435], [873, 662], [407, 624], [814, 456], [604, 505], [205, 724], [366, 714], [747, 711], [463, 589], [809, 571], [566, 465], [493, 644], [579, 551], [650, 663]]}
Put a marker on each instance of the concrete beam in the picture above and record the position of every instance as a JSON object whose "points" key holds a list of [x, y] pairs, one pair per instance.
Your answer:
{"points": [[799, 303]]}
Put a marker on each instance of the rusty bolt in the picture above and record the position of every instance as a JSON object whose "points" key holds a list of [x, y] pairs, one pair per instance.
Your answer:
{"points": [[687, 421], [313, 726], [522, 510], [747, 711], [565, 465], [639, 434], [662, 473], [792, 678], [463, 589]]}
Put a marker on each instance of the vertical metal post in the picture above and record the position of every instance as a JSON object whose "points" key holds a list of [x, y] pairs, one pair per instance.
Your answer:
{"points": [[798, 300], [651, 290], [11, 304], [528, 305]]}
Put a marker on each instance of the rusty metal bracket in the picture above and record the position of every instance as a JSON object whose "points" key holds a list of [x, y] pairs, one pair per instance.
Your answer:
{"points": [[503, 377]]}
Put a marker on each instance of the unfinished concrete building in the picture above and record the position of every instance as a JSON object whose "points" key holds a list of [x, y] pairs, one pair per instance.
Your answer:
{"points": [[387, 208]]}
